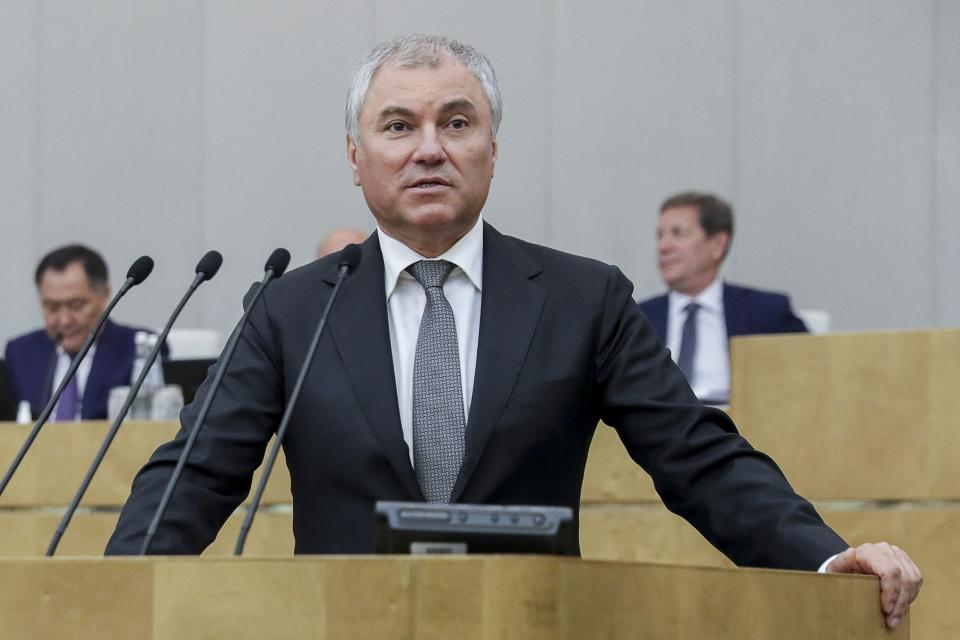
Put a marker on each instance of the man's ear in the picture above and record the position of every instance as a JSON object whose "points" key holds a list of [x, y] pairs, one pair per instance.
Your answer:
{"points": [[496, 151], [102, 294], [352, 160], [719, 245]]}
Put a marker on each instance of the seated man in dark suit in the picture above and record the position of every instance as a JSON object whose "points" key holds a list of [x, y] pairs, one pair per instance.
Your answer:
{"points": [[463, 365], [700, 313], [74, 289]]}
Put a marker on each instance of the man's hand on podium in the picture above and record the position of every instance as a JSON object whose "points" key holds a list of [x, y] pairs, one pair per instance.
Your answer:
{"points": [[900, 578]]}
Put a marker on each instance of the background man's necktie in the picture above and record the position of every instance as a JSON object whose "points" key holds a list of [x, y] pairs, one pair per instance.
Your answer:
{"points": [[67, 405], [439, 427], [688, 341]]}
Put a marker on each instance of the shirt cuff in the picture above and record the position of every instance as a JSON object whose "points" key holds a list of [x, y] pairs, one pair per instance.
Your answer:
{"points": [[826, 563]]}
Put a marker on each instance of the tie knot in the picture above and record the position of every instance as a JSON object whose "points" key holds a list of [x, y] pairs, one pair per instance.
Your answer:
{"points": [[691, 308], [430, 273]]}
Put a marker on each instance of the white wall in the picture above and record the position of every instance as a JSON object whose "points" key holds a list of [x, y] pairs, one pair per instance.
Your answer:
{"points": [[172, 127]]}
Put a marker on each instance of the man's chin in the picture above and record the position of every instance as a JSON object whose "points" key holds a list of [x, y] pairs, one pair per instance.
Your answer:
{"points": [[441, 220], [72, 345]]}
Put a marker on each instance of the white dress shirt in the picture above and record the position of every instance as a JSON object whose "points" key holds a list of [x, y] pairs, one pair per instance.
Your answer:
{"points": [[463, 289], [406, 300], [83, 372], [711, 362]]}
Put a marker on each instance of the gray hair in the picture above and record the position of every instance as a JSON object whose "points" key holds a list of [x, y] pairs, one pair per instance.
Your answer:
{"points": [[414, 51]]}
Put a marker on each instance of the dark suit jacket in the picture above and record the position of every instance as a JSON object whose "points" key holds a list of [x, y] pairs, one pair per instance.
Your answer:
{"points": [[561, 346], [746, 312], [32, 362]]}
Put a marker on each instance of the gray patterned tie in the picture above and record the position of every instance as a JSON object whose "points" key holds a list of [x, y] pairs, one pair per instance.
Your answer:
{"points": [[438, 423]]}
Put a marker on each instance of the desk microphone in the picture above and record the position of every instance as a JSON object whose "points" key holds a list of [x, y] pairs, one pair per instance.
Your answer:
{"points": [[137, 273], [207, 268], [350, 258], [276, 265]]}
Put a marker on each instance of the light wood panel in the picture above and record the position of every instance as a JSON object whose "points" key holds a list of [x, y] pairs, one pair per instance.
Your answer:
{"points": [[27, 534], [639, 533], [468, 597], [54, 467], [867, 416], [58, 460], [611, 475], [651, 533]]}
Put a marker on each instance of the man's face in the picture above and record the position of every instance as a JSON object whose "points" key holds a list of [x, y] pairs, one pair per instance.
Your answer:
{"points": [[688, 258], [425, 155], [70, 305]]}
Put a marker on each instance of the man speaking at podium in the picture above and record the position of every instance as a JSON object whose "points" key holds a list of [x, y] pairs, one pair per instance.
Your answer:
{"points": [[462, 365]]}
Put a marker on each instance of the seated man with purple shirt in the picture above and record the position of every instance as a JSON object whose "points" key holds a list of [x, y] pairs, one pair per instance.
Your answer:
{"points": [[73, 285]]}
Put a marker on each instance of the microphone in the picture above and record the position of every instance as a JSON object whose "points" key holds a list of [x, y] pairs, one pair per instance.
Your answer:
{"points": [[137, 273], [207, 268], [350, 258], [276, 265]]}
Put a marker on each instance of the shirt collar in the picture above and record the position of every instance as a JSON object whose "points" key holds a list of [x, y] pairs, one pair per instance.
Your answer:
{"points": [[710, 299], [466, 254]]}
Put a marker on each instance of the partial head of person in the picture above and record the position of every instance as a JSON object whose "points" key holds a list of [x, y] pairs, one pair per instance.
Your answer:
{"points": [[693, 237], [338, 239], [422, 117], [74, 288]]}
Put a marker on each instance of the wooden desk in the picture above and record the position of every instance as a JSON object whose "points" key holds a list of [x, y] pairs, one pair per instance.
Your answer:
{"points": [[467, 597]]}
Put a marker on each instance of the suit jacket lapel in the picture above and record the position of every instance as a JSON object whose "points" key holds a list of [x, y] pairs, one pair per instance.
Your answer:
{"points": [[361, 334], [48, 356], [509, 313], [733, 311], [659, 312]]}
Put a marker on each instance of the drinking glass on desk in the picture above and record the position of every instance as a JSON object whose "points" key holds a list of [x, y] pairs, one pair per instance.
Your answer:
{"points": [[166, 403], [163, 404]]}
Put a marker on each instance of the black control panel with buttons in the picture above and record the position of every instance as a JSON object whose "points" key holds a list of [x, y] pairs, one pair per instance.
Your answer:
{"points": [[416, 527]]}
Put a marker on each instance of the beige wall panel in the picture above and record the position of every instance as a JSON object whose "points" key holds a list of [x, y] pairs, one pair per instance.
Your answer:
{"points": [[51, 599], [28, 533], [627, 533], [632, 533], [611, 474], [646, 533], [473, 598], [56, 464], [870, 416], [279, 599], [930, 536]]}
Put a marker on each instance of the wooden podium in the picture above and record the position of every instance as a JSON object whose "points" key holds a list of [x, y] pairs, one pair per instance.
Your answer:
{"points": [[403, 597]]}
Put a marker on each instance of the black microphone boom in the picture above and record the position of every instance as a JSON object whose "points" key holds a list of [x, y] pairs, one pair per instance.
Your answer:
{"points": [[276, 265], [349, 260], [207, 268], [137, 273]]}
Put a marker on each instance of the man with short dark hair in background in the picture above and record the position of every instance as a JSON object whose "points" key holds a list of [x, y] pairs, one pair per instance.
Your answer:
{"points": [[699, 314], [73, 285]]}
